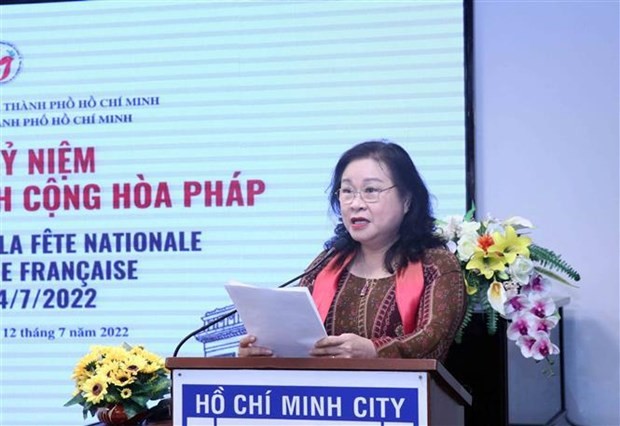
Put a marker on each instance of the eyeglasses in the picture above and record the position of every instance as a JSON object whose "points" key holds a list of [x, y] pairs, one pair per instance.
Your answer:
{"points": [[369, 194]]}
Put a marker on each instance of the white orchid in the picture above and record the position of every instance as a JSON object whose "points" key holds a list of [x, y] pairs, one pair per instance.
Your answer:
{"points": [[516, 304], [525, 343], [543, 347], [546, 324], [538, 346], [523, 324], [542, 306], [537, 285]]}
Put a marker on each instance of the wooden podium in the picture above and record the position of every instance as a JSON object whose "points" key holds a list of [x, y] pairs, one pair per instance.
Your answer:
{"points": [[313, 391]]}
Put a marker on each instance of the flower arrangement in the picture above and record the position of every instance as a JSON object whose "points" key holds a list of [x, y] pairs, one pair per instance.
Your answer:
{"points": [[507, 274], [119, 375]]}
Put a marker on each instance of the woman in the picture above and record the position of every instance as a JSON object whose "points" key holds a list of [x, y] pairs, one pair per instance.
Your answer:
{"points": [[394, 290]]}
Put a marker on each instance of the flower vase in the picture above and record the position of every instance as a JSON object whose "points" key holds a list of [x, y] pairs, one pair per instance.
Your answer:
{"points": [[115, 415]]}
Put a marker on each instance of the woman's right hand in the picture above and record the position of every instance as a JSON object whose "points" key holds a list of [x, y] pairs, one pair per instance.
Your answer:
{"points": [[248, 348]]}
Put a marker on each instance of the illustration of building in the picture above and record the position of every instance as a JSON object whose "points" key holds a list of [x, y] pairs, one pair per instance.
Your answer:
{"points": [[222, 338]]}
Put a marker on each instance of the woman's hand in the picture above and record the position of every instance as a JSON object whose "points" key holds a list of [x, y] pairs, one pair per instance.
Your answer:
{"points": [[247, 347], [346, 345]]}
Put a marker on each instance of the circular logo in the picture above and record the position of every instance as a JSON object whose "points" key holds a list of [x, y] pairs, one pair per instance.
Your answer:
{"points": [[10, 62]]}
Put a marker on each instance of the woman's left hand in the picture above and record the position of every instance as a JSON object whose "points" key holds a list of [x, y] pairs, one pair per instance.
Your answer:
{"points": [[346, 345]]}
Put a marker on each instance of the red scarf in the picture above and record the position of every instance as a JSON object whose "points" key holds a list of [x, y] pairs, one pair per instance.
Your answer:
{"points": [[409, 288]]}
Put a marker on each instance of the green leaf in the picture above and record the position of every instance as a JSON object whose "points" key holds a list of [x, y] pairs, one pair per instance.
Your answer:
{"points": [[476, 280], [162, 388], [470, 213], [132, 408], [140, 400], [77, 399], [551, 260], [469, 312], [554, 276], [90, 408], [491, 320]]}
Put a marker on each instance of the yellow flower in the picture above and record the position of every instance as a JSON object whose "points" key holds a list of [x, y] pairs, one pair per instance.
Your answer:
{"points": [[121, 377], [471, 289], [486, 262], [153, 363], [135, 364], [85, 368], [80, 374], [115, 375], [115, 354], [510, 244], [95, 389]]}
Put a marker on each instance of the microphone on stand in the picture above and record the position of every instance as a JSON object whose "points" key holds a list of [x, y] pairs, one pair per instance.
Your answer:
{"points": [[338, 245]]}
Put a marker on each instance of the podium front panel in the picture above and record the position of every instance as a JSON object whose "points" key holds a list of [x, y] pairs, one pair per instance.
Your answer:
{"points": [[248, 397]]}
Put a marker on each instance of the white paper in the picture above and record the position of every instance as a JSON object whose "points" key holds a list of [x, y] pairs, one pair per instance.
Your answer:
{"points": [[284, 320]]}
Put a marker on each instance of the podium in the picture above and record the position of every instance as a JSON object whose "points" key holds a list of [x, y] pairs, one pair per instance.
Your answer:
{"points": [[507, 388], [314, 391]]}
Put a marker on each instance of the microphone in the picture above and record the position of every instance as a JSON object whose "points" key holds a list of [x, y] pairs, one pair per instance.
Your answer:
{"points": [[338, 245]]}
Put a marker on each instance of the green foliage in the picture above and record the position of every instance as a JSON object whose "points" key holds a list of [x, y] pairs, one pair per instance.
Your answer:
{"points": [[469, 216], [489, 313], [548, 259], [553, 275], [475, 280], [469, 313], [492, 317]]}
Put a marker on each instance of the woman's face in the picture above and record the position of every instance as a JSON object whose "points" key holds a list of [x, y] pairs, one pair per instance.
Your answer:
{"points": [[373, 225]]}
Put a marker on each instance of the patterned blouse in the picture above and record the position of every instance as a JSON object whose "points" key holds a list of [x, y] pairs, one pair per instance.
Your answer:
{"points": [[367, 307]]}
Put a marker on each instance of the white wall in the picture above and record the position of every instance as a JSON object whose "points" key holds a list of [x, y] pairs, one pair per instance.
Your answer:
{"points": [[547, 148]]}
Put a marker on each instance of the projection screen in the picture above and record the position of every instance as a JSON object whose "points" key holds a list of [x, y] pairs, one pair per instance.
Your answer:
{"points": [[152, 151]]}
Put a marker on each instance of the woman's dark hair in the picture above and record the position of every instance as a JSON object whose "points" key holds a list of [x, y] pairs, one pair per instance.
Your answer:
{"points": [[418, 226]]}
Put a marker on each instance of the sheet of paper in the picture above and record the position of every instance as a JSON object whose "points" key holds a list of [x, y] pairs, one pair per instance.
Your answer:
{"points": [[283, 319]]}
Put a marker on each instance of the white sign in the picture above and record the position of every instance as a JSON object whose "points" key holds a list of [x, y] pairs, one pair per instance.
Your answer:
{"points": [[296, 398]]}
